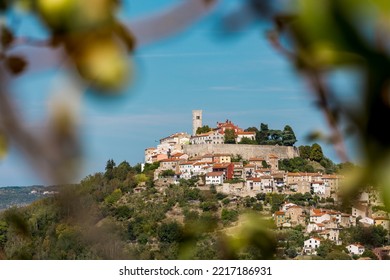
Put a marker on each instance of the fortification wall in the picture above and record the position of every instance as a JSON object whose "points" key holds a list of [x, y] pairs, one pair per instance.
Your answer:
{"points": [[246, 151]]}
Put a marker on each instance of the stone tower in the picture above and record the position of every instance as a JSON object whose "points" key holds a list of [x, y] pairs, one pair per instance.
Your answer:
{"points": [[196, 120]]}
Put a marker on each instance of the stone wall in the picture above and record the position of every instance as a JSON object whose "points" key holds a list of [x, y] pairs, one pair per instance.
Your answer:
{"points": [[246, 151]]}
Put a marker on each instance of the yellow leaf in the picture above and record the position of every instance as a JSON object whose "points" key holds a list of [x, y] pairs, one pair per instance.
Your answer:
{"points": [[3, 146]]}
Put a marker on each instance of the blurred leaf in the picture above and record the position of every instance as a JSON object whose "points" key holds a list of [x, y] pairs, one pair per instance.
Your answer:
{"points": [[56, 14], [104, 63], [7, 37], [3, 146], [252, 234], [126, 36], [73, 15], [315, 136], [16, 64], [3, 5]]}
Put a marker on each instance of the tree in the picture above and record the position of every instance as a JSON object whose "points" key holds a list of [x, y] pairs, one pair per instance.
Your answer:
{"points": [[304, 151], [264, 164], [262, 135], [316, 153], [3, 233], [291, 253], [110, 165], [252, 129], [168, 173], [369, 254], [228, 216], [247, 141], [275, 137], [113, 197], [325, 248], [170, 232], [203, 129], [288, 136], [122, 170], [230, 136], [296, 164]]}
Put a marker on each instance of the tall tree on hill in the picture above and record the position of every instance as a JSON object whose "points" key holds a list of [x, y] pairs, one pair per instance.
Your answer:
{"points": [[304, 151], [288, 136], [316, 153], [230, 136], [275, 137], [263, 134], [110, 165]]}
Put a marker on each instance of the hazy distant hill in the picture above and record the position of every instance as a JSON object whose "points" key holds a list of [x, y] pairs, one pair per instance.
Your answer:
{"points": [[19, 196]]}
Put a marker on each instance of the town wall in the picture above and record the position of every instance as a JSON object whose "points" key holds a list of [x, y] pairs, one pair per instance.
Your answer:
{"points": [[246, 151]]}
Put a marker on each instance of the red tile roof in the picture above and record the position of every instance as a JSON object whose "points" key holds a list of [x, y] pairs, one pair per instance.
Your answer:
{"points": [[256, 159], [214, 174], [221, 165]]}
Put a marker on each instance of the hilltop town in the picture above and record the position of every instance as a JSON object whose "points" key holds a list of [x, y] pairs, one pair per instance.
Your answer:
{"points": [[228, 159], [223, 192]]}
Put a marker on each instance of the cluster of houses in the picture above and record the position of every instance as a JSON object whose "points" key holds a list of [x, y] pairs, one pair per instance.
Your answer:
{"points": [[257, 175], [239, 177], [325, 224]]}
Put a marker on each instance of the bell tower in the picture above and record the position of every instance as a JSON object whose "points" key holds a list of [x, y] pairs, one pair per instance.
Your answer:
{"points": [[196, 120]]}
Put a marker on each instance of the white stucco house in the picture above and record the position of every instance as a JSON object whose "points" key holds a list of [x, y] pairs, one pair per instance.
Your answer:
{"points": [[311, 245], [355, 249]]}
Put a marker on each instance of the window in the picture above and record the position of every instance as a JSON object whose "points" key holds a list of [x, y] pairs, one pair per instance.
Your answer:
{"points": [[198, 117]]}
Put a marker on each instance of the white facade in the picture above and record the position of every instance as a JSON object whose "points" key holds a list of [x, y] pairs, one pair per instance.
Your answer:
{"points": [[355, 249], [367, 221], [186, 170], [311, 245], [214, 178], [212, 137], [249, 135], [319, 218], [314, 227], [318, 188]]}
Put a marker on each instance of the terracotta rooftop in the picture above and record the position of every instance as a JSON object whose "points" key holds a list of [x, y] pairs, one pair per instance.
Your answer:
{"points": [[169, 160], [294, 174], [221, 165], [187, 163], [256, 159], [178, 155], [214, 174]]}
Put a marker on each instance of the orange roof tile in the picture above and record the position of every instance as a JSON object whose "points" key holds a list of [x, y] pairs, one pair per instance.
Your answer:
{"points": [[214, 174], [221, 165], [294, 174], [256, 159]]}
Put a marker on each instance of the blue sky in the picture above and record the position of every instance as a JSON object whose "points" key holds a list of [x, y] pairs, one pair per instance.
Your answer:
{"points": [[240, 78]]}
